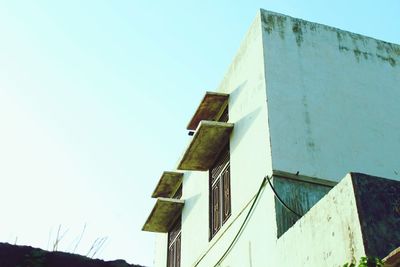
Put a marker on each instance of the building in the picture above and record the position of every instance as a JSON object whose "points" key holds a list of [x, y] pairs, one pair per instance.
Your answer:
{"points": [[276, 171]]}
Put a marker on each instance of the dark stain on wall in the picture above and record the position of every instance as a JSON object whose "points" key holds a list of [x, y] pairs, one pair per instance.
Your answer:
{"points": [[298, 31], [378, 204], [353, 43]]}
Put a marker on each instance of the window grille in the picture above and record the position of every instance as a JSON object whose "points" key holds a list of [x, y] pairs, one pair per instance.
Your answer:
{"points": [[220, 196], [174, 245]]}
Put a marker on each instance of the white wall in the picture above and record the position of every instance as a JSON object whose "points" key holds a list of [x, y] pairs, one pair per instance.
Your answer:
{"points": [[250, 155], [160, 255], [250, 162], [333, 99]]}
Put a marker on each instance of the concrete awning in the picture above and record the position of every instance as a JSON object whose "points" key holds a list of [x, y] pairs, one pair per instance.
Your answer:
{"points": [[208, 141], [163, 215], [168, 184], [210, 107]]}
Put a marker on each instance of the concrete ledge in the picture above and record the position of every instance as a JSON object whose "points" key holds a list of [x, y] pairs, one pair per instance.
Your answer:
{"points": [[393, 259], [163, 215], [209, 109], [168, 184], [304, 178], [208, 141]]}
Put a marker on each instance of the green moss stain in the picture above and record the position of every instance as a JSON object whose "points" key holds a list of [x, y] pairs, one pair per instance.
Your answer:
{"points": [[274, 22], [298, 32], [358, 53], [339, 37], [388, 48], [396, 50], [388, 59], [355, 37], [366, 55], [281, 25], [268, 22], [381, 47], [348, 42], [385, 52]]}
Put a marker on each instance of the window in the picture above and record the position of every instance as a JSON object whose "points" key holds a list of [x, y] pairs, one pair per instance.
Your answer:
{"points": [[174, 238], [220, 192], [220, 188], [174, 245]]}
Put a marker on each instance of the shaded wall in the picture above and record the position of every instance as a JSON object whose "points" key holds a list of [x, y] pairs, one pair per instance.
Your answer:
{"points": [[378, 203]]}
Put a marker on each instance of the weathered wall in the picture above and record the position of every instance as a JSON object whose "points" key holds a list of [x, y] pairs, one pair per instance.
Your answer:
{"points": [[332, 99], [328, 235], [331, 109]]}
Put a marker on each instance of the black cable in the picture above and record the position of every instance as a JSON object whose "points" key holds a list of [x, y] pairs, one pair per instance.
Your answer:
{"points": [[248, 215], [243, 224], [280, 200]]}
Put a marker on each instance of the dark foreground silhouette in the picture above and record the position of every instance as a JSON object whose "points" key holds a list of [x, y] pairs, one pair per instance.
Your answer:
{"points": [[25, 256]]}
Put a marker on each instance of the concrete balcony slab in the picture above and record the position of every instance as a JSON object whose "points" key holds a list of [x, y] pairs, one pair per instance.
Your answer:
{"points": [[208, 141], [163, 215]]}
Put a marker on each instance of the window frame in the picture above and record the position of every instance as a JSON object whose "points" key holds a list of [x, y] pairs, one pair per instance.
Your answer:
{"points": [[174, 236], [174, 242], [219, 192]]}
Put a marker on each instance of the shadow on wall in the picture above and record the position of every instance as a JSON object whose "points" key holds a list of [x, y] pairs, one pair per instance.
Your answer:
{"points": [[242, 126], [191, 201], [234, 95]]}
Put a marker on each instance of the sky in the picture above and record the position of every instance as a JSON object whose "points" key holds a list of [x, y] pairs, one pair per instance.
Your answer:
{"points": [[95, 97]]}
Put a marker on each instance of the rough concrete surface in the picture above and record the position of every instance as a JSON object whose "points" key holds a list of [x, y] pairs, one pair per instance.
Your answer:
{"points": [[378, 204]]}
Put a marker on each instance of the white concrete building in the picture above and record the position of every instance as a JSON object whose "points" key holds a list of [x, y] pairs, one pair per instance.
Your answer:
{"points": [[301, 106]]}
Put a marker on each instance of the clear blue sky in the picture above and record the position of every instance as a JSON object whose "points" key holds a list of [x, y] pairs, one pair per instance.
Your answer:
{"points": [[95, 97]]}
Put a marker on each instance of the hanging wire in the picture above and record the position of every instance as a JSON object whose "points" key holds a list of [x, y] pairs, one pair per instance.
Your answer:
{"points": [[250, 211], [280, 200], [243, 224]]}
